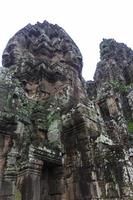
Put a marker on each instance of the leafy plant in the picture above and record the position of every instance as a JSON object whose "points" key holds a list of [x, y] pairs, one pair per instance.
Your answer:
{"points": [[121, 87]]}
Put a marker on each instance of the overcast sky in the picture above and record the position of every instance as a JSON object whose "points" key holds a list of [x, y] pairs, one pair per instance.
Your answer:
{"points": [[86, 21]]}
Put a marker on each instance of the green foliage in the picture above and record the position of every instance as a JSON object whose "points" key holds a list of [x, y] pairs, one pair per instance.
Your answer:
{"points": [[130, 127], [120, 87]]}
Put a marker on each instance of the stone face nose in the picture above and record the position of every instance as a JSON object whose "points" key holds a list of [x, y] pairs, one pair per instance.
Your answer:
{"points": [[6, 60]]}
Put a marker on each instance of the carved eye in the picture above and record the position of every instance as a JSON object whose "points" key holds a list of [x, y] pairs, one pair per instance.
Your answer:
{"points": [[103, 46]]}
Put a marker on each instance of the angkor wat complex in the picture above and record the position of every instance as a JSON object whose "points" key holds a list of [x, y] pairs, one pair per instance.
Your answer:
{"points": [[62, 138]]}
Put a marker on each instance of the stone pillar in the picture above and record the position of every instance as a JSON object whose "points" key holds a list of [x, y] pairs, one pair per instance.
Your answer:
{"points": [[30, 189], [28, 180]]}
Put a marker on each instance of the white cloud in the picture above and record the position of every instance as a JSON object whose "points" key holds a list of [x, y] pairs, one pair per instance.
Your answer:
{"points": [[86, 21]]}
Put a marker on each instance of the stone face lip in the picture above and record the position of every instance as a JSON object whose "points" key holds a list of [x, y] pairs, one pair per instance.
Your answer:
{"points": [[43, 41]]}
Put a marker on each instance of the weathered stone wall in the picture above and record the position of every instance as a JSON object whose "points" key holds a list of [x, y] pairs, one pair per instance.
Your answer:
{"points": [[60, 137]]}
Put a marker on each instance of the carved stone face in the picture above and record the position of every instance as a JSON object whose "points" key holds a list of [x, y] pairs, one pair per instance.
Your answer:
{"points": [[107, 48], [45, 60], [14, 51], [8, 57], [41, 43]]}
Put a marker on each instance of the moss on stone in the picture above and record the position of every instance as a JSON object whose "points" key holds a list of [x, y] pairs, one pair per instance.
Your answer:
{"points": [[18, 195], [120, 87], [130, 127]]}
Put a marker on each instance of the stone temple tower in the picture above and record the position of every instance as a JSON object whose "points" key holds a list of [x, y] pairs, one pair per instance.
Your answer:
{"points": [[62, 138]]}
